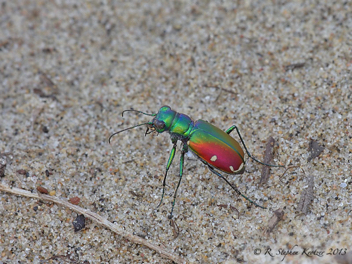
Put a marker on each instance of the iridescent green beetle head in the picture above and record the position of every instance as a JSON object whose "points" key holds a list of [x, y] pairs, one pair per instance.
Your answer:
{"points": [[163, 119], [161, 122]]}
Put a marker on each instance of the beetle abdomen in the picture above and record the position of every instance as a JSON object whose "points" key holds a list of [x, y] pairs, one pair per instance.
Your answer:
{"points": [[216, 147]]}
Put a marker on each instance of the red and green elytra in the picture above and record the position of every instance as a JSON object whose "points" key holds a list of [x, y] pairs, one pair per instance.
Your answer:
{"points": [[213, 146], [216, 148]]}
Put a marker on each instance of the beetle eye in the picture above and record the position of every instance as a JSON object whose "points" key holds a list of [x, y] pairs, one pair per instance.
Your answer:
{"points": [[159, 124]]}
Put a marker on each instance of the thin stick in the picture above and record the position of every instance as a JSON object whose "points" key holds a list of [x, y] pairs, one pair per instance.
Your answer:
{"points": [[219, 88], [96, 218]]}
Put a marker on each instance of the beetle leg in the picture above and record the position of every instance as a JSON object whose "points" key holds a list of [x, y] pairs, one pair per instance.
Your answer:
{"points": [[171, 158], [184, 150], [228, 131], [233, 187]]}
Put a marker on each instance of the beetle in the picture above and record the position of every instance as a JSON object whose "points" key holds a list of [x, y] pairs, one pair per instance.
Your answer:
{"points": [[213, 146]]}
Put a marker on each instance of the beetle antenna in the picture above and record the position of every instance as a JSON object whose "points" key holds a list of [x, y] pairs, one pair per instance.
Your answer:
{"points": [[148, 123], [132, 110]]}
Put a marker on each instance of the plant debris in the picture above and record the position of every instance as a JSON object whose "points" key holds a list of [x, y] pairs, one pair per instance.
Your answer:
{"points": [[268, 156], [275, 219], [307, 196], [315, 150]]}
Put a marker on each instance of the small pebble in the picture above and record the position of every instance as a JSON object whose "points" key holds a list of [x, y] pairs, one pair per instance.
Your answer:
{"points": [[42, 190]]}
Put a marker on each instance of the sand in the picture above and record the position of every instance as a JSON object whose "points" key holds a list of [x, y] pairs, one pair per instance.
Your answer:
{"points": [[273, 68]]}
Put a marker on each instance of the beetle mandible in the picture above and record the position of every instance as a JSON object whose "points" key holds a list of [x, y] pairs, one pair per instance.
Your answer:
{"points": [[214, 147]]}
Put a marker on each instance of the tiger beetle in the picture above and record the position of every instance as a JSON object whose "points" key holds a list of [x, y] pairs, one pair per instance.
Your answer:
{"points": [[214, 147]]}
